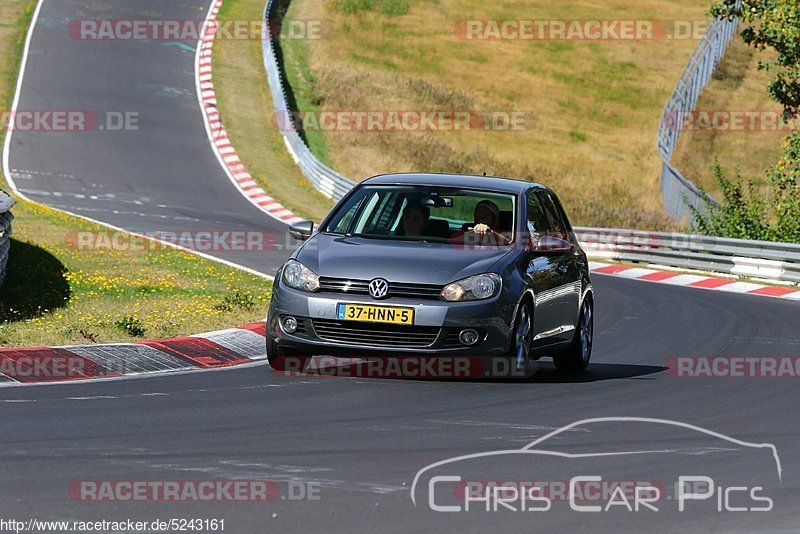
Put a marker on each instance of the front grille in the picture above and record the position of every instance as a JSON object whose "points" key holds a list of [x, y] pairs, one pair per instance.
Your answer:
{"points": [[302, 326], [451, 340], [385, 335], [396, 289]]}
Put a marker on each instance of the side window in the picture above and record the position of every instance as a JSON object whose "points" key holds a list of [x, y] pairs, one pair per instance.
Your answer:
{"points": [[380, 216], [537, 218], [345, 219], [570, 236], [556, 222]]}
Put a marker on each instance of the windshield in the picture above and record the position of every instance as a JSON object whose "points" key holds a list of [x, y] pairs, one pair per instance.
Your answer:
{"points": [[424, 213]]}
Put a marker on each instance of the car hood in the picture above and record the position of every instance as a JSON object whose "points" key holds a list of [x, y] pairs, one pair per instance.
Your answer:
{"points": [[397, 261]]}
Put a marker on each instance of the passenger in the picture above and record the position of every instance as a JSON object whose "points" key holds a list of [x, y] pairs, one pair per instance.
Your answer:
{"points": [[415, 217], [487, 224]]}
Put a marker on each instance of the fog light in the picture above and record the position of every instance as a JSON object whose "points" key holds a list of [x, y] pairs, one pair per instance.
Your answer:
{"points": [[289, 325], [468, 337]]}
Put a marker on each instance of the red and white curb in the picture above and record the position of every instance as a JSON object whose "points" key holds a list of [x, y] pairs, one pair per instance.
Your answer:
{"points": [[220, 141], [700, 281], [223, 348]]}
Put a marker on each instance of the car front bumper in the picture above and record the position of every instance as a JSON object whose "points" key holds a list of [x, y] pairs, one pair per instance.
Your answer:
{"points": [[440, 321]]}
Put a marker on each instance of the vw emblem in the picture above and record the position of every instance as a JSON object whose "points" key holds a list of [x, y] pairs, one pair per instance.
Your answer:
{"points": [[378, 288]]}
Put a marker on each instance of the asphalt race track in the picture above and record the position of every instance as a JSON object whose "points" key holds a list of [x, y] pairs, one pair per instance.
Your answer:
{"points": [[356, 443], [363, 440], [162, 176]]}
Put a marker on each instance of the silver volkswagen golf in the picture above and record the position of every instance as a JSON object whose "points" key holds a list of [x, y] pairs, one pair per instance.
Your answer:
{"points": [[435, 265]]}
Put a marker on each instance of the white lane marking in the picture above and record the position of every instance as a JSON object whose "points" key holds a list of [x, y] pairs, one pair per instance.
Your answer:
{"points": [[92, 397], [17, 92], [280, 473], [65, 207], [739, 287], [157, 393], [136, 376], [13, 185], [292, 469], [504, 425], [635, 272], [221, 136], [683, 279]]}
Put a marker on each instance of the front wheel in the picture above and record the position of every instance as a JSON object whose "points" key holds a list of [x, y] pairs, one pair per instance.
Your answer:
{"points": [[576, 356], [281, 360], [518, 358]]}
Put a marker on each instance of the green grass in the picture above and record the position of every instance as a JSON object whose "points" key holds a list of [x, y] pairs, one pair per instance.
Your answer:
{"points": [[55, 294], [299, 76]]}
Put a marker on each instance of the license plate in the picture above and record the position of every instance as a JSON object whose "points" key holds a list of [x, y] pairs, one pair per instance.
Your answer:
{"points": [[375, 314]]}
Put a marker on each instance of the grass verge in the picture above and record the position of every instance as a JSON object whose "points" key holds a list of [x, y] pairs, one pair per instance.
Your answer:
{"points": [[56, 294], [245, 104]]}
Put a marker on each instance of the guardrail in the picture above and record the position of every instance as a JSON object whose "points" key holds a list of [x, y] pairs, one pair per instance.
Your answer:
{"points": [[326, 180], [6, 202], [753, 259], [676, 190], [740, 257]]}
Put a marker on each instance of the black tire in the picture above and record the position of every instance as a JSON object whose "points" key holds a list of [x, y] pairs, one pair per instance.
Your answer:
{"points": [[576, 357], [518, 358], [282, 360]]}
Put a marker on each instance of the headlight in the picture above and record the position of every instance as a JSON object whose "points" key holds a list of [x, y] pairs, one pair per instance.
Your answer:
{"points": [[298, 276], [478, 287]]}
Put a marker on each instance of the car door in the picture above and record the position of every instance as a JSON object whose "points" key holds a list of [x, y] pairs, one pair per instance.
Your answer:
{"points": [[543, 275], [567, 285]]}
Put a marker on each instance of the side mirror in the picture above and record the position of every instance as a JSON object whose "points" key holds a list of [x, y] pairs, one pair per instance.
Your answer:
{"points": [[552, 245], [302, 230]]}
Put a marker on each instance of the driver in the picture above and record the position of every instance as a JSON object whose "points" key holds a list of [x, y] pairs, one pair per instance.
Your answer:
{"points": [[415, 217]]}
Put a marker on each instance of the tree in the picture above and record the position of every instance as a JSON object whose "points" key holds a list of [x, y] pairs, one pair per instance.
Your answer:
{"points": [[770, 25], [775, 25]]}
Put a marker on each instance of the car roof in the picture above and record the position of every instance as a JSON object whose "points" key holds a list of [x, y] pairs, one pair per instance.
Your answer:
{"points": [[490, 183]]}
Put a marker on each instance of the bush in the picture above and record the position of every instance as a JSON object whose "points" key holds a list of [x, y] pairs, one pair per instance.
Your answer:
{"points": [[385, 7], [131, 325], [740, 214], [236, 299], [745, 212], [394, 7]]}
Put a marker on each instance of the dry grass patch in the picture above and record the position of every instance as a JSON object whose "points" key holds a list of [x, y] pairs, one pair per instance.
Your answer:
{"points": [[592, 108], [737, 85]]}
